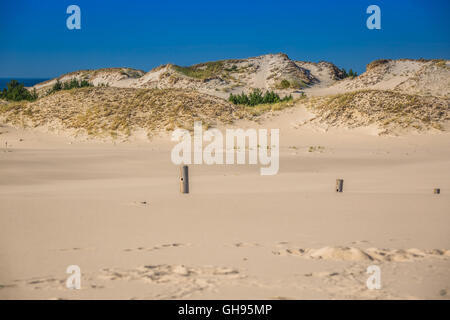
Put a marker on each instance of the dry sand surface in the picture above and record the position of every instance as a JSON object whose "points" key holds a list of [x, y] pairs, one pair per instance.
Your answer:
{"points": [[115, 210]]}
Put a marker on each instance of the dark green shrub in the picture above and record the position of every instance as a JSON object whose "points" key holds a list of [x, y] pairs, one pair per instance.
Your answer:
{"points": [[57, 86], [284, 84], [16, 91], [257, 97], [349, 74], [74, 83], [352, 74]]}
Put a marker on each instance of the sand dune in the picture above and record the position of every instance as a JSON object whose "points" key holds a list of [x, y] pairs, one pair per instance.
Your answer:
{"points": [[115, 208], [87, 180], [424, 77], [218, 78]]}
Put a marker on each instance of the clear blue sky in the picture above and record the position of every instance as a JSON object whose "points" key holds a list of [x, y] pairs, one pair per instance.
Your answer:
{"points": [[35, 41]]}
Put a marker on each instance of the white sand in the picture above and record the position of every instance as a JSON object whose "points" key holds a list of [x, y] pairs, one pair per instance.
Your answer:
{"points": [[237, 234]]}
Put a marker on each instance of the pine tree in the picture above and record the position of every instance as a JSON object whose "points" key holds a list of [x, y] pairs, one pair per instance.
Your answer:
{"points": [[16, 91]]}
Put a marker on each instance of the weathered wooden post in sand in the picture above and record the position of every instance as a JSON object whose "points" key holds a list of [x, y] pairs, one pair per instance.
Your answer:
{"points": [[339, 185], [184, 179], [437, 191]]}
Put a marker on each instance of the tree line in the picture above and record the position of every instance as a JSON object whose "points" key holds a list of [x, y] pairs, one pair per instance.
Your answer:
{"points": [[16, 91]]}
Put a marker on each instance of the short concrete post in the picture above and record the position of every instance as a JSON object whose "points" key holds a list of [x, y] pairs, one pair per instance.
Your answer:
{"points": [[339, 185], [184, 179], [437, 191]]}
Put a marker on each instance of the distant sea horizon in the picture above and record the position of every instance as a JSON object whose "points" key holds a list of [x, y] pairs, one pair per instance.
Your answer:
{"points": [[28, 82]]}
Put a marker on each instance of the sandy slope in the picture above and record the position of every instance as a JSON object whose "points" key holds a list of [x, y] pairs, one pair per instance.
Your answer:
{"points": [[409, 76], [116, 211]]}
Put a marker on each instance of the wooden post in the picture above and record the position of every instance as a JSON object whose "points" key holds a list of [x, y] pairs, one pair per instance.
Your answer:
{"points": [[184, 179], [339, 185], [437, 191]]}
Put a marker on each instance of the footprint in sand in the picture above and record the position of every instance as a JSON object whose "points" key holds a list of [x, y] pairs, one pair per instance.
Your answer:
{"points": [[158, 247], [42, 283], [322, 274], [282, 244], [360, 241], [74, 249], [141, 203], [46, 283], [245, 244], [186, 279], [357, 254]]}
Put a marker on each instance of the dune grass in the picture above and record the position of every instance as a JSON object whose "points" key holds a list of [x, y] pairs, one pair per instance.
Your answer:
{"points": [[386, 108], [202, 71]]}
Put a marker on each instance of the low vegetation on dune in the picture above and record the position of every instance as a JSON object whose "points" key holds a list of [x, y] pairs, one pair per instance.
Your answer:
{"points": [[372, 65], [388, 109], [104, 111], [67, 85], [257, 97], [203, 70], [391, 94], [290, 84], [118, 112]]}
